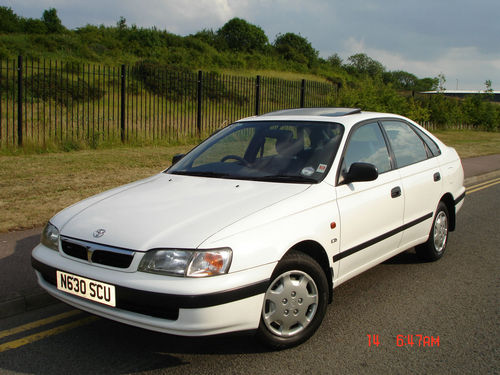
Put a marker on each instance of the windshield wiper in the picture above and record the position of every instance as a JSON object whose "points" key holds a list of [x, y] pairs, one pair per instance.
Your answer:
{"points": [[287, 178], [269, 178], [202, 174]]}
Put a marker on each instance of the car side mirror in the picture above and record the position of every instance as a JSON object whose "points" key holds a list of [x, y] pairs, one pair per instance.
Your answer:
{"points": [[177, 157], [361, 172]]}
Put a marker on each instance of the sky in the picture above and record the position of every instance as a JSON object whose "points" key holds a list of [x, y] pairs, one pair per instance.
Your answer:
{"points": [[457, 38]]}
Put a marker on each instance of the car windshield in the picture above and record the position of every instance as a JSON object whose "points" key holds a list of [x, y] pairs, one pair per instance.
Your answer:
{"points": [[278, 151]]}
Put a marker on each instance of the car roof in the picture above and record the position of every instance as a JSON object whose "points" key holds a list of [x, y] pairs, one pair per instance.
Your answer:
{"points": [[345, 116], [329, 112]]}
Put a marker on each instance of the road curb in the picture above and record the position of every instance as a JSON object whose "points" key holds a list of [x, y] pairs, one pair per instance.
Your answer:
{"points": [[469, 181], [31, 300]]}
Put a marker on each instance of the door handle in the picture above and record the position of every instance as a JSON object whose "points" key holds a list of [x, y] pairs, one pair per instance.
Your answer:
{"points": [[437, 177], [395, 192]]}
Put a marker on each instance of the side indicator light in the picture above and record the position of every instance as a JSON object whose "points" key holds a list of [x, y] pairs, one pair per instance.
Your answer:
{"points": [[333, 225]]}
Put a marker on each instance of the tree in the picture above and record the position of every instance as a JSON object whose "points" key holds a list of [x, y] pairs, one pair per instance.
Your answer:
{"points": [[33, 26], [52, 21], [441, 82], [438, 107], [488, 91], [335, 60], [360, 63], [9, 21], [122, 23], [241, 36], [488, 86], [296, 48], [427, 84], [401, 79]]}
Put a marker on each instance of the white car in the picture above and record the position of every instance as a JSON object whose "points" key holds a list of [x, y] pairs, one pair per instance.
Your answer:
{"points": [[255, 227]]}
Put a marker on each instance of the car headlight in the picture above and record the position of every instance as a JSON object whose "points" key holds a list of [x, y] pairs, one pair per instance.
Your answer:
{"points": [[190, 263], [50, 237]]}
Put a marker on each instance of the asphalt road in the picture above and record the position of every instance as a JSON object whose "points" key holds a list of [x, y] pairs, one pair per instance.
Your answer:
{"points": [[455, 299]]}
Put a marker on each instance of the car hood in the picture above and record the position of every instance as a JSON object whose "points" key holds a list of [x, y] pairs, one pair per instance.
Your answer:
{"points": [[170, 211]]}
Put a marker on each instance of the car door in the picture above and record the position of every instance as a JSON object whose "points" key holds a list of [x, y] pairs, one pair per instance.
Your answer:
{"points": [[420, 176], [371, 211]]}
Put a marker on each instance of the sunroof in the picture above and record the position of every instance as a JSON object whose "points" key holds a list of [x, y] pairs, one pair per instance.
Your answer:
{"points": [[329, 112]]}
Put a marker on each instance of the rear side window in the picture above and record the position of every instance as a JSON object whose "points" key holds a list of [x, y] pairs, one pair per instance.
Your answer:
{"points": [[407, 146]]}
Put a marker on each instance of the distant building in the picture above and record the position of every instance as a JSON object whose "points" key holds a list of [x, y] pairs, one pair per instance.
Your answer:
{"points": [[463, 93]]}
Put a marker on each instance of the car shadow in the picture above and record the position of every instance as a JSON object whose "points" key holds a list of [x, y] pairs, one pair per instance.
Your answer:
{"points": [[108, 347], [406, 257], [18, 278]]}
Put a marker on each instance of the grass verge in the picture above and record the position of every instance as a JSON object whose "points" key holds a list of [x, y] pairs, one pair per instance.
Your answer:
{"points": [[469, 143], [33, 187]]}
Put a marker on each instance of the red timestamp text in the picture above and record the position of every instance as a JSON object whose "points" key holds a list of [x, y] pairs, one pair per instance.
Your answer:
{"points": [[407, 340]]}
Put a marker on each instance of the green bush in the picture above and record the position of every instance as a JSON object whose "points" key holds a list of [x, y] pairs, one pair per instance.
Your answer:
{"points": [[372, 95], [241, 36], [296, 48], [178, 82], [33, 26], [61, 89], [4, 53]]}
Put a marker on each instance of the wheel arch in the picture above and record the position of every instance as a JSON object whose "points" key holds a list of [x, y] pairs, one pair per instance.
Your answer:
{"points": [[318, 253], [448, 200]]}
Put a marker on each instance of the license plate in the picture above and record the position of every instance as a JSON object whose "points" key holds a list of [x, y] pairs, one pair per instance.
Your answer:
{"points": [[86, 288]]}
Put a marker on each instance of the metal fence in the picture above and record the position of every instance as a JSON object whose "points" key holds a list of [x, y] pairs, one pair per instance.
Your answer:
{"points": [[46, 101]]}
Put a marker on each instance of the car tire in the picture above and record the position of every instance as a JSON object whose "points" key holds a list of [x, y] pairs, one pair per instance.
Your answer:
{"points": [[295, 302], [435, 246]]}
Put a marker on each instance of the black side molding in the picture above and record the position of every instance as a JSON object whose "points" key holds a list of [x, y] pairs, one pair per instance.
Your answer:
{"points": [[382, 237]]}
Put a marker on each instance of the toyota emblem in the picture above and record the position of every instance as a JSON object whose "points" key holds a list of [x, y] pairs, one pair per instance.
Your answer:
{"points": [[99, 233]]}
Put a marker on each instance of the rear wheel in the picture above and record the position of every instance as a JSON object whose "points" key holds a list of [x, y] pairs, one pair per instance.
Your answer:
{"points": [[295, 302], [435, 246]]}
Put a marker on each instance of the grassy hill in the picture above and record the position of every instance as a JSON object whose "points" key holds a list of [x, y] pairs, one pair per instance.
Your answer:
{"points": [[237, 47], [241, 48]]}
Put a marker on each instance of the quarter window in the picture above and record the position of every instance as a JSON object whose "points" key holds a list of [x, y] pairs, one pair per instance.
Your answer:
{"points": [[407, 146], [429, 142], [367, 145]]}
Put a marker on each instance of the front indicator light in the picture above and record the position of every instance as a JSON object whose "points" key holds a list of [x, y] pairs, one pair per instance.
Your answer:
{"points": [[209, 263]]}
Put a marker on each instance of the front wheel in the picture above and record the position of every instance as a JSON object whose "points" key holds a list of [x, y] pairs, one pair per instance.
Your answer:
{"points": [[295, 302], [435, 246]]}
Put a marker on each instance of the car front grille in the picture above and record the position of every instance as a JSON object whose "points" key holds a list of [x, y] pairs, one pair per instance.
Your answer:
{"points": [[97, 254]]}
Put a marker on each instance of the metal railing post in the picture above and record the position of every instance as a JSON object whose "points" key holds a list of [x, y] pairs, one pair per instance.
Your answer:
{"points": [[199, 94], [302, 93], [19, 100], [257, 96], [122, 105]]}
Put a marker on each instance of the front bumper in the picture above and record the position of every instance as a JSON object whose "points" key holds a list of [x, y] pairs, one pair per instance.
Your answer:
{"points": [[228, 303]]}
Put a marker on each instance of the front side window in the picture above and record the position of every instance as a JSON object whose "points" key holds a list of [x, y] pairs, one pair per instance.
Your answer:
{"points": [[407, 146], [367, 145], [281, 151]]}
